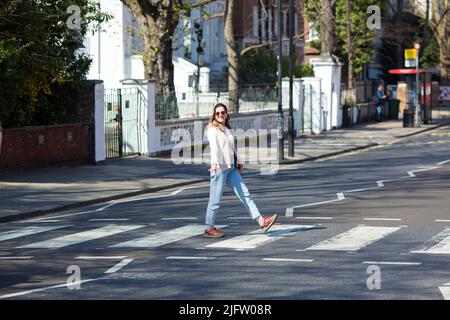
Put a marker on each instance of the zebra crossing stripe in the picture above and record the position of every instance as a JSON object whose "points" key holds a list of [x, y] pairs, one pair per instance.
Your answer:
{"points": [[8, 235], [80, 237], [439, 244], [162, 238], [257, 238], [354, 239], [445, 291]]}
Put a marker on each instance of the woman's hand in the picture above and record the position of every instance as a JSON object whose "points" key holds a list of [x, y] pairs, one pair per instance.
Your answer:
{"points": [[240, 167], [213, 168]]}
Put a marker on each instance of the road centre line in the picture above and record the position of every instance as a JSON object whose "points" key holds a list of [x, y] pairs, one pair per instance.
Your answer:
{"points": [[315, 218], [72, 284], [99, 257], [17, 258], [119, 266], [393, 263], [442, 162], [439, 220], [189, 258], [287, 260], [383, 219]]}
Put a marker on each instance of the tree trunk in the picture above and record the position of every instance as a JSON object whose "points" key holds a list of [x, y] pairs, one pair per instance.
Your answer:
{"points": [[351, 50], [328, 28], [444, 63], [157, 24], [233, 59]]}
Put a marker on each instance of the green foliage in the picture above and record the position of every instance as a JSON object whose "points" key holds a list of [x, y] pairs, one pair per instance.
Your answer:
{"points": [[41, 72], [259, 66], [362, 36]]}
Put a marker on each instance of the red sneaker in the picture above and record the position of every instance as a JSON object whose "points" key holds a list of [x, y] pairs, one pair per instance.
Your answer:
{"points": [[213, 233], [268, 222]]}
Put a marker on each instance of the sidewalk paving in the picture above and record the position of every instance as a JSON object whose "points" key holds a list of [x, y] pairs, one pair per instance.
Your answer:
{"points": [[33, 192]]}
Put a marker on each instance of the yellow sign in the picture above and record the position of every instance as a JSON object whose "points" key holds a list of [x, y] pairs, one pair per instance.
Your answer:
{"points": [[410, 53]]}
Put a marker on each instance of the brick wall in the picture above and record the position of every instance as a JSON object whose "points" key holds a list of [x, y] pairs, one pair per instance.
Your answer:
{"points": [[46, 145]]}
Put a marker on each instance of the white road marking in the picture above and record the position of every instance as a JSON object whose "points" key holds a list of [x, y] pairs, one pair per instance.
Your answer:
{"points": [[288, 260], [38, 221], [445, 291], [80, 237], [340, 196], [239, 218], [23, 293], [442, 220], [394, 263], [190, 258], [99, 257], [289, 212], [119, 266], [354, 239], [17, 258], [380, 183], [358, 190], [443, 162], [411, 174], [256, 238], [316, 203], [383, 219], [439, 244], [118, 219], [165, 237], [314, 218], [184, 218], [8, 235]]}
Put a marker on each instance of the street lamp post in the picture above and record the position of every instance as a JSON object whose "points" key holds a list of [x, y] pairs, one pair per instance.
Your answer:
{"points": [[280, 118], [291, 79], [417, 47], [199, 33]]}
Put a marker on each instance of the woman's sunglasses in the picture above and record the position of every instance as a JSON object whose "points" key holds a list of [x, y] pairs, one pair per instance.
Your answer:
{"points": [[220, 113]]}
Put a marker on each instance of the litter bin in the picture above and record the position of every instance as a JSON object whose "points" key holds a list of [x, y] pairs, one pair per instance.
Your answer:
{"points": [[346, 116], [393, 109], [408, 118]]}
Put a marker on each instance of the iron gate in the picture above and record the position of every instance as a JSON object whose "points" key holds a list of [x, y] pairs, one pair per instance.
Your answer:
{"points": [[121, 122]]}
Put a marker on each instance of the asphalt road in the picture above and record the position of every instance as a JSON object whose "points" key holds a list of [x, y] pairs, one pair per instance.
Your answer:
{"points": [[369, 225]]}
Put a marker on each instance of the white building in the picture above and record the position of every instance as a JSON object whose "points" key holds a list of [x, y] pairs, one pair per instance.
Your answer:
{"points": [[117, 52]]}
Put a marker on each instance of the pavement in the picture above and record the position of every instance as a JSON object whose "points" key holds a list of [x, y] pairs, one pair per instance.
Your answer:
{"points": [[34, 192]]}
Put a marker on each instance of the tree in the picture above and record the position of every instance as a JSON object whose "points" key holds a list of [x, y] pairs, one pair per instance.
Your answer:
{"points": [[39, 62], [439, 22]]}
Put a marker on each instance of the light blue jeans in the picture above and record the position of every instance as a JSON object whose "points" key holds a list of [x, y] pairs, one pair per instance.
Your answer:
{"points": [[233, 178]]}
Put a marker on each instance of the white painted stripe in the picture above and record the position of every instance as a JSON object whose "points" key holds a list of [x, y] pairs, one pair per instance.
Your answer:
{"points": [[118, 219], [443, 162], [394, 263], [340, 196], [354, 239], [358, 190], [289, 212], [185, 218], [119, 266], [8, 235], [439, 244], [442, 220], [425, 169], [383, 219], [316, 203], [239, 218], [39, 221], [380, 183], [99, 257], [445, 292], [190, 258], [81, 237], [288, 260], [162, 238], [17, 258], [411, 174], [314, 218], [23, 293], [257, 238]]}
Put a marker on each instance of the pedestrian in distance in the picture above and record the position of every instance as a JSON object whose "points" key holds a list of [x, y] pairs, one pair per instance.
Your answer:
{"points": [[226, 168], [380, 97]]}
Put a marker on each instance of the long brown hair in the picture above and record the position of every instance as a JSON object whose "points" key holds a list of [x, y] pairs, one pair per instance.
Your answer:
{"points": [[217, 124]]}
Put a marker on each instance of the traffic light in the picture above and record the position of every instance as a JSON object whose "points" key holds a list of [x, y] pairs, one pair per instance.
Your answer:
{"points": [[198, 31]]}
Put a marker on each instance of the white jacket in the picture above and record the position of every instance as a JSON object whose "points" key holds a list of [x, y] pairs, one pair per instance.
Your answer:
{"points": [[221, 144]]}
